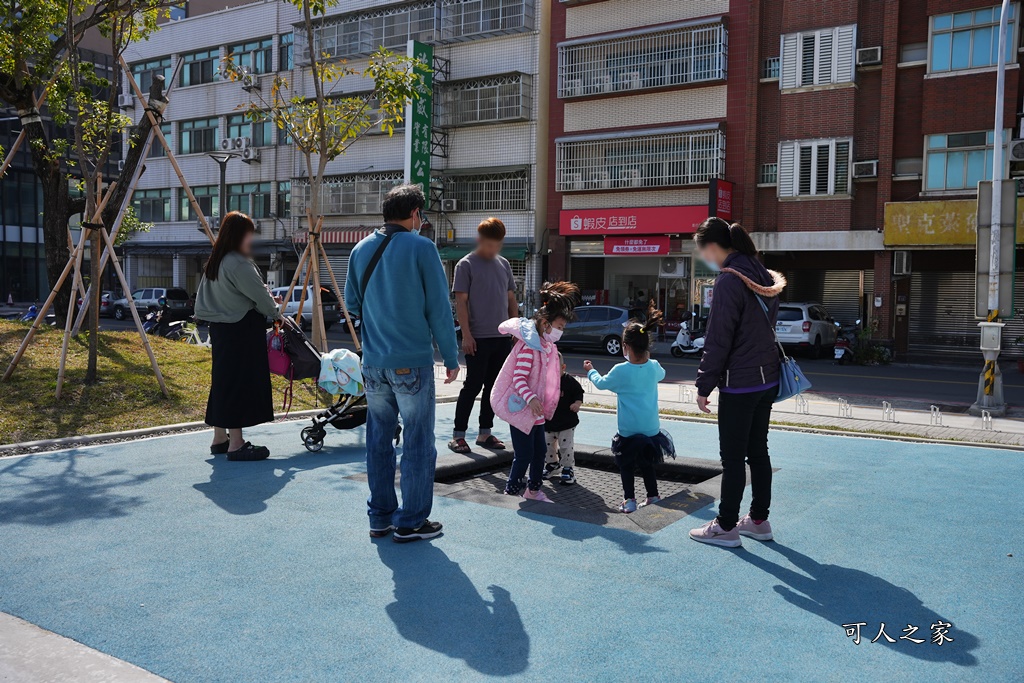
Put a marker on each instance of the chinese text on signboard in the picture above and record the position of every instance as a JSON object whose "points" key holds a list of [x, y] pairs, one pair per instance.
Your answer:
{"points": [[419, 115]]}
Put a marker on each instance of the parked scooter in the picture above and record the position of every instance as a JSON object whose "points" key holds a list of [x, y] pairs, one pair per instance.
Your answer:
{"points": [[846, 342], [687, 343], [30, 315], [159, 323]]}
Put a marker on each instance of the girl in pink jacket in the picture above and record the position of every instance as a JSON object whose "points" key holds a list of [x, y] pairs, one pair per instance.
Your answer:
{"points": [[525, 394]]}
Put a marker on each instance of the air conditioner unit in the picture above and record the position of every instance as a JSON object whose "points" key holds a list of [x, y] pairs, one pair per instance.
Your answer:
{"points": [[573, 87], [629, 81], [1017, 150], [602, 83], [572, 181], [865, 169], [631, 177], [120, 164], [673, 266], [869, 56], [601, 180], [241, 143], [250, 82], [901, 263], [227, 144], [449, 205], [126, 101], [250, 154]]}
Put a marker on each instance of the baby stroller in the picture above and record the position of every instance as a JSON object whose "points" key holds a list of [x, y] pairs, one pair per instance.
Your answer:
{"points": [[348, 412]]}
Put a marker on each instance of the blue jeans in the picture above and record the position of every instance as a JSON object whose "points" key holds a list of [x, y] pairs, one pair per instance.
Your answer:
{"points": [[408, 392], [530, 451]]}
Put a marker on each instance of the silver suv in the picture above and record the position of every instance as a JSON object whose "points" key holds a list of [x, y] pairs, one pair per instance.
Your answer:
{"points": [[805, 325], [148, 299]]}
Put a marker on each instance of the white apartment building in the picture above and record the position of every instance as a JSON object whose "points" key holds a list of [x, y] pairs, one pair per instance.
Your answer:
{"points": [[490, 132]]}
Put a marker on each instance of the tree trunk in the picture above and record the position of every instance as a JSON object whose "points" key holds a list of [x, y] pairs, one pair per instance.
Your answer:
{"points": [[56, 211]]}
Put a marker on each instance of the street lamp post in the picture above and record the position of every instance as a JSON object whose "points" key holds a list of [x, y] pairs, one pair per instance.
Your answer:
{"points": [[222, 159], [990, 393]]}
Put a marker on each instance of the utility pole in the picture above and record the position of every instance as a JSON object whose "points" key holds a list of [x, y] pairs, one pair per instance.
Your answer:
{"points": [[990, 385]]}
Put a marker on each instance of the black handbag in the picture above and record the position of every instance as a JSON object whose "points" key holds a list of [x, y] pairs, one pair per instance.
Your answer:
{"points": [[304, 356]]}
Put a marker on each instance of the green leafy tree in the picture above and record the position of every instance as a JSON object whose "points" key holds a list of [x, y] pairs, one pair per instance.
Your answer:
{"points": [[39, 48], [323, 126]]}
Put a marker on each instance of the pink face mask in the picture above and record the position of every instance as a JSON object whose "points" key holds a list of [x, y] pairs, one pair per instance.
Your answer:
{"points": [[553, 335]]}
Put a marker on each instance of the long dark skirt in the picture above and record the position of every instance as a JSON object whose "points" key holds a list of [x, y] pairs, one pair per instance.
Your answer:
{"points": [[240, 391]]}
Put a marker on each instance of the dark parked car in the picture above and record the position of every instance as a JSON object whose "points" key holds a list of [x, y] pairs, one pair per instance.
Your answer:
{"points": [[598, 327], [148, 299]]}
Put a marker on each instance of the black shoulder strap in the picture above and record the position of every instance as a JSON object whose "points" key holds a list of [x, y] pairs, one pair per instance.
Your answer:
{"points": [[374, 260]]}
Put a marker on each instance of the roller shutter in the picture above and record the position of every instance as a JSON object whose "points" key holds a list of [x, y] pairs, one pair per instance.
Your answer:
{"points": [[588, 273], [839, 291], [339, 264], [942, 313]]}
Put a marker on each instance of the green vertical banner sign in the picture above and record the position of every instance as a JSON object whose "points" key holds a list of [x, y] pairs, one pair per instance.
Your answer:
{"points": [[419, 119]]}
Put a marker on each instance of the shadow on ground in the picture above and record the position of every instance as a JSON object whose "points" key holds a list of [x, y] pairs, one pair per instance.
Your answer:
{"points": [[243, 488], [37, 496], [437, 607], [843, 595]]}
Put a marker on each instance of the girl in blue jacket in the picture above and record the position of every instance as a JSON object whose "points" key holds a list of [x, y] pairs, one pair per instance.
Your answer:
{"points": [[639, 442]]}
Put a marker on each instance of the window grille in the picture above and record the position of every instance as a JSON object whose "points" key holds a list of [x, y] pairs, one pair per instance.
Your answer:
{"points": [[469, 18], [491, 192], [650, 60], [502, 98], [651, 160], [770, 68], [348, 195], [769, 174], [362, 33]]}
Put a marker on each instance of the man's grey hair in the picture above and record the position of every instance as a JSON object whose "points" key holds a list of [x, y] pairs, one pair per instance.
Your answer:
{"points": [[401, 201]]}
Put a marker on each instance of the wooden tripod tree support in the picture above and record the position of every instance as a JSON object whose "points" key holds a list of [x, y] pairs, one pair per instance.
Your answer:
{"points": [[310, 259], [90, 231]]}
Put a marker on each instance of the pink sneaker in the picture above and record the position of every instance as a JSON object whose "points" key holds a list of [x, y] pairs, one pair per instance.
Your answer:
{"points": [[758, 532], [536, 495], [715, 535]]}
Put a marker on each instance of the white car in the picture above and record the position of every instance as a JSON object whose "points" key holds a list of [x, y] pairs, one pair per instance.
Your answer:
{"points": [[805, 325]]}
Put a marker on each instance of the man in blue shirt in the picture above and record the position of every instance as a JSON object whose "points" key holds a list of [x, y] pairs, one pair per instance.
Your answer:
{"points": [[397, 285]]}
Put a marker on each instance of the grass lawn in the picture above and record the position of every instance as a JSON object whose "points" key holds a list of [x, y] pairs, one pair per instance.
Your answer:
{"points": [[126, 396]]}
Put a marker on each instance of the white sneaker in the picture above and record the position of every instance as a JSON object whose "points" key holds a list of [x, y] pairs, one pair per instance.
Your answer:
{"points": [[758, 532], [714, 534]]}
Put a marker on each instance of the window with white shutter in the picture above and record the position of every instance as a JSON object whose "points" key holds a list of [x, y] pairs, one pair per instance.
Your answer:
{"points": [[810, 168], [818, 57]]}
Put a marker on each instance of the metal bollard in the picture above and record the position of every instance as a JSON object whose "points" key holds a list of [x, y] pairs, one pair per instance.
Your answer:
{"points": [[986, 420], [802, 406], [845, 410], [888, 413], [936, 416]]}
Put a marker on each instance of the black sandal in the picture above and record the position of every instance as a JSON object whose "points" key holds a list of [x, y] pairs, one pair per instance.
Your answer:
{"points": [[492, 443], [459, 446], [219, 448]]}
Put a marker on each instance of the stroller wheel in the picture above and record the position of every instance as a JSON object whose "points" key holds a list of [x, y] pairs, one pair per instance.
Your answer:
{"points": [[313, 439]]}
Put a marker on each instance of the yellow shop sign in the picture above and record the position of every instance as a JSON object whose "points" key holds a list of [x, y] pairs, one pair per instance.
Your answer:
{"points": [[951, 223]]}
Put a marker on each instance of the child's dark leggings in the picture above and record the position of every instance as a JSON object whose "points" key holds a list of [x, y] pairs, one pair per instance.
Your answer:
{"points": [[640, 454], [530, 450]]}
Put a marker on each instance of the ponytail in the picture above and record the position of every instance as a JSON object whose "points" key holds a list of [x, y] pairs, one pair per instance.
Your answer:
{"points": [[638, 333], [715, 230]]}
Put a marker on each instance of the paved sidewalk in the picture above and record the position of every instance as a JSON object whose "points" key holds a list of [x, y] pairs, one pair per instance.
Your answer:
{"points": [[827, 413], [29, 654], [198, 569]]}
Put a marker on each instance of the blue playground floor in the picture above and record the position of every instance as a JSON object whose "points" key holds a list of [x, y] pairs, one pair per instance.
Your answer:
{"points": [[203, 570]]}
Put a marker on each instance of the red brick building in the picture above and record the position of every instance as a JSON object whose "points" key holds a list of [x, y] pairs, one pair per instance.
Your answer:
{"points": [[857, 132], [647, 107]]}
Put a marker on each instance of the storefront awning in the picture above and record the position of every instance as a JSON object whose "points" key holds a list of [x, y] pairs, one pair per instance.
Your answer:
{"points": [[336, 235], [456, 252]]}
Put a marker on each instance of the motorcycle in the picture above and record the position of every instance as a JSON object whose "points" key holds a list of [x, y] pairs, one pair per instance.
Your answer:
{"points": [[154, 323], [687, 343], [30, 315], [846, 342]]}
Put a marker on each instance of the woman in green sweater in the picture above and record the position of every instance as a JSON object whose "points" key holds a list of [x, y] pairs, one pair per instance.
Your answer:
{"points": [[235, 301]]}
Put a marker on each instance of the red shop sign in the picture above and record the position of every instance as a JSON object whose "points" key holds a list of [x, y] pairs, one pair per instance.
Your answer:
{"points": [[646, 220], [636, 246], [720, 200]]}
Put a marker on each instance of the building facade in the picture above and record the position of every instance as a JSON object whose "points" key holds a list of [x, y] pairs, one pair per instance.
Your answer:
{"points": [[874, 124], [648, 124], [490, 136]]}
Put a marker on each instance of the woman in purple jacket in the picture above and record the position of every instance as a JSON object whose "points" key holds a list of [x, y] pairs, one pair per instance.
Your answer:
{"points": [[740, 359]]}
